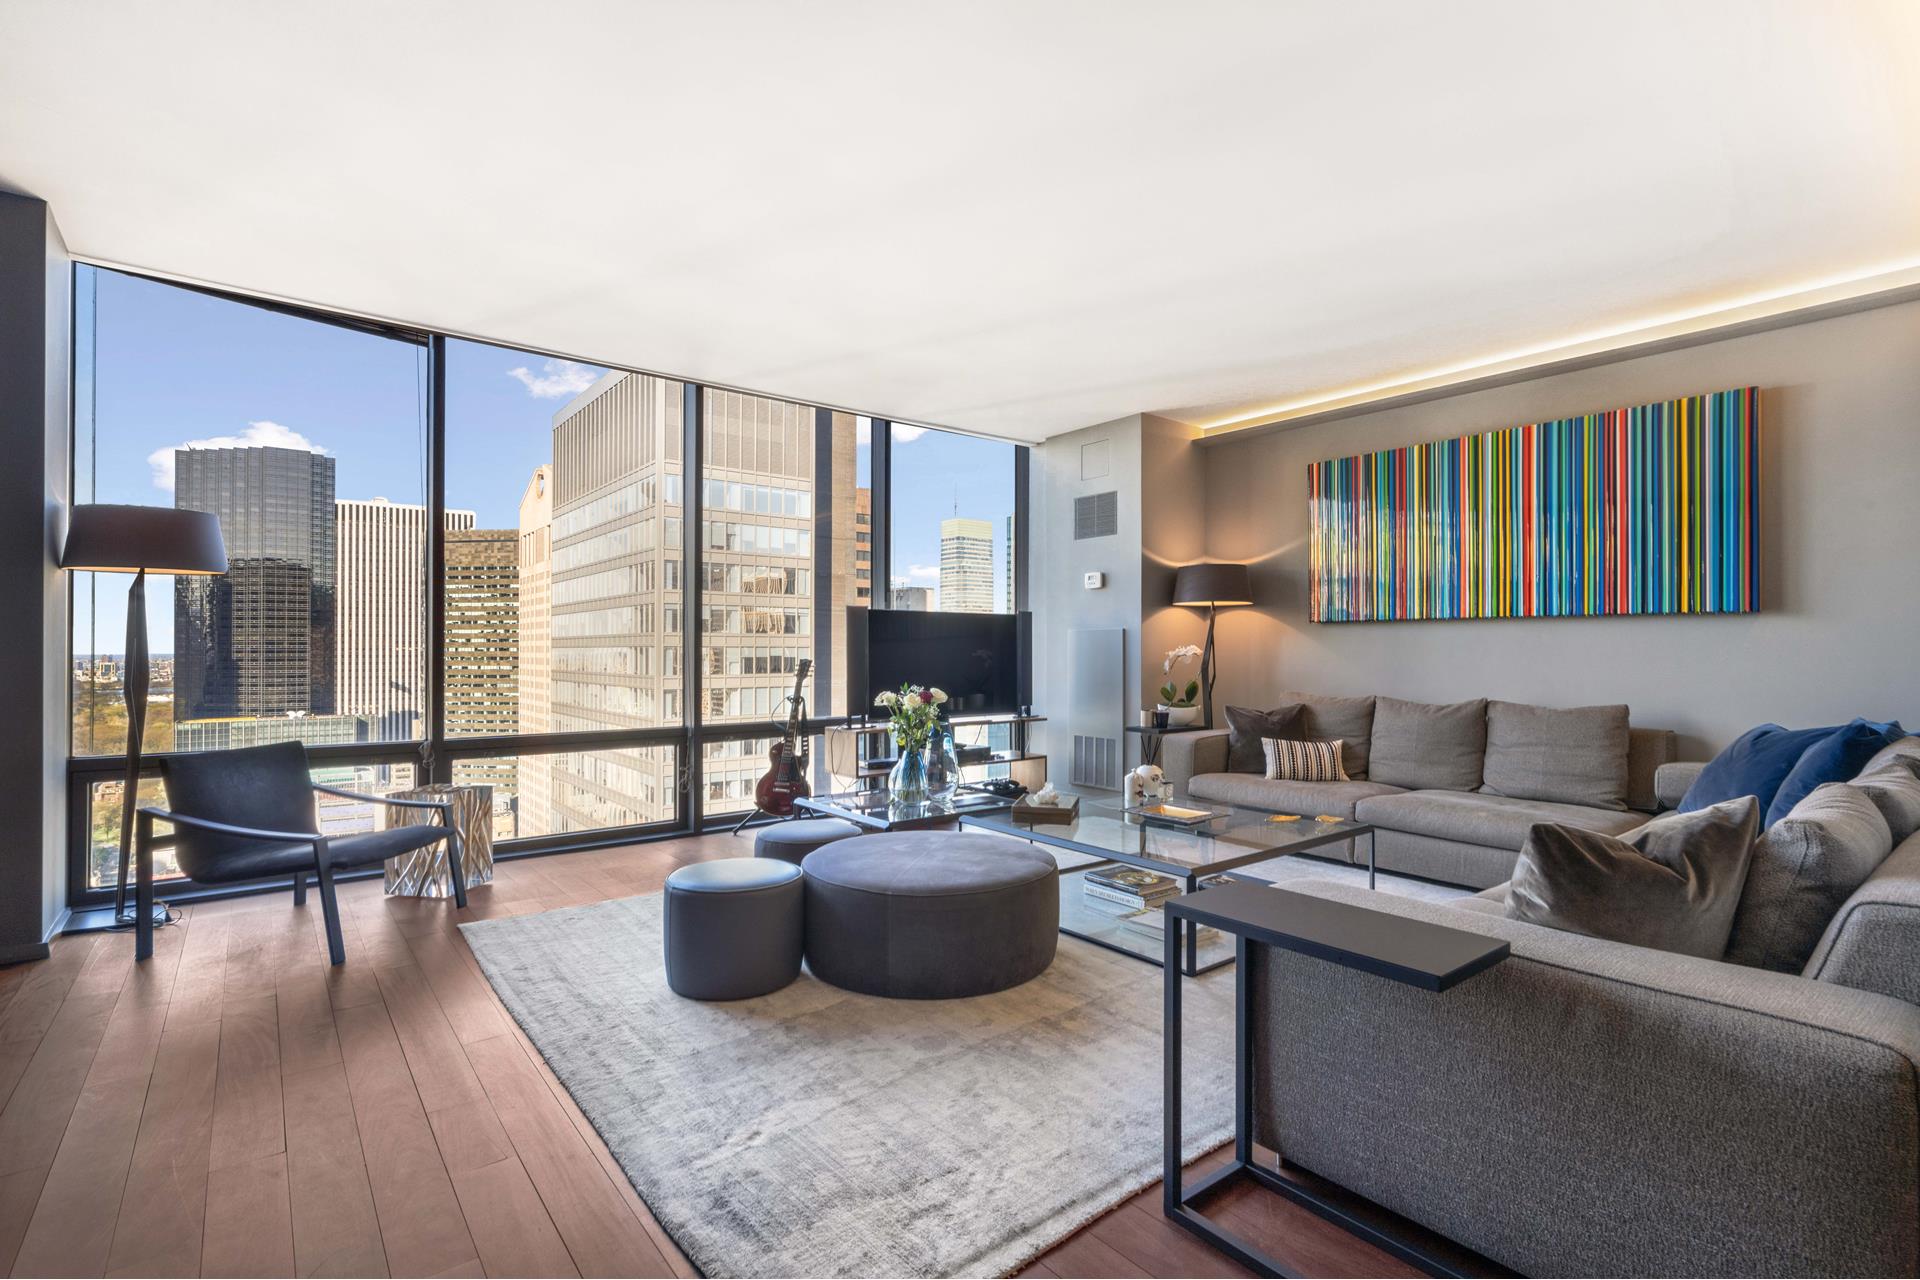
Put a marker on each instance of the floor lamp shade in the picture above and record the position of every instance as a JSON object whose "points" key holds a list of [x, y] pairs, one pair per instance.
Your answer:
{"points": [[110, 538], [107, 538], [1201, 585]]}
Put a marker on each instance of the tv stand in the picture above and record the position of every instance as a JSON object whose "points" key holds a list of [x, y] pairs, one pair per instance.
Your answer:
{"points": [[862, 750]]}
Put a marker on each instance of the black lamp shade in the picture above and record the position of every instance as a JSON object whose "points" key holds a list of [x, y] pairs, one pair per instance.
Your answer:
{"points": [[1212, 584], [107, 538]]}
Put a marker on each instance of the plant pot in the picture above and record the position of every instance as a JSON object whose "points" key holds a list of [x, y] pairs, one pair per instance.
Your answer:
{"points": [[1181, 717], [1159, 719]]}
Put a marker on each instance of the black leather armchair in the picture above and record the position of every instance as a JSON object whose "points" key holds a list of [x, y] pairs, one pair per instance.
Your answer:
{"points": [[249, 815]]}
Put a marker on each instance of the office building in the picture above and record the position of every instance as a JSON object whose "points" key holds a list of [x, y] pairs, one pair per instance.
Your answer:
{"points": [[533, 805], [966, 566], [382, 627], [259, 639]]}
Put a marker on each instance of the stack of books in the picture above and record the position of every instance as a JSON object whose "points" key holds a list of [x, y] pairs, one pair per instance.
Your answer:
{"points": [[1129, 889]]}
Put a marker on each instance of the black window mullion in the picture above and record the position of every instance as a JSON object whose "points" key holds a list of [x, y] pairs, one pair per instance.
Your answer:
{"points": [[438, 767], [1022, 464], [880, 468], [692, 602]]}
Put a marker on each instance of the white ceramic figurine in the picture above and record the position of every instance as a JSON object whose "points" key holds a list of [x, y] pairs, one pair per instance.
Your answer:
{"points": [[1147, 785]]}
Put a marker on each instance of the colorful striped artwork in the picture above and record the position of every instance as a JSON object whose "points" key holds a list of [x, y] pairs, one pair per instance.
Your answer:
{"points": [[1647, 510]]}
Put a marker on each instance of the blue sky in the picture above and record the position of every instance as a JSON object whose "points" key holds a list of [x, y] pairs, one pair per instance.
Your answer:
{"points": [[161, 366]]}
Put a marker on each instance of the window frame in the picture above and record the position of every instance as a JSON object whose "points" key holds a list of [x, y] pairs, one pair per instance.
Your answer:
{"points": [[434, 754]]}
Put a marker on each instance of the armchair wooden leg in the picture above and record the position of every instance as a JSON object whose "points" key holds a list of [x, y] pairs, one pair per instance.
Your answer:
{"points": [[454, 866], [330, 908], [299, 888]]}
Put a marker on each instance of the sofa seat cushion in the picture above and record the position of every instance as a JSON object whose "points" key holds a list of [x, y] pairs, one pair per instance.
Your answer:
{"points": [[1276, 796], [1499, 822]]}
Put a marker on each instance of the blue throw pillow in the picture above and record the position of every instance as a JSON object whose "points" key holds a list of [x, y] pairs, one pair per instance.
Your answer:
{"points": [[1838, 757], [1754, 764]]}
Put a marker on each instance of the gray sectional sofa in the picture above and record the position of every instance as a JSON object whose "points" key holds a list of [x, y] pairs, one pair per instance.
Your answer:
{"points": [[1450, 789], [1591, 1108]]}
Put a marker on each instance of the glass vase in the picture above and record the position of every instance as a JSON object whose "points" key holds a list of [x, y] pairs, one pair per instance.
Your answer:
{"points": [[907, 781], [943, 766]]}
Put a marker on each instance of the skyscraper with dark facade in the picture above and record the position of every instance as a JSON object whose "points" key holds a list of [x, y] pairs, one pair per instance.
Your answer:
{"points": [[259, 639]]}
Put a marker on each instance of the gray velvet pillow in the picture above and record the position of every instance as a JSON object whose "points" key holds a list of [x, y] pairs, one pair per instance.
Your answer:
{"points": [[1348, 719], [1894, 788], [1247, 729], [1425, 746], [1807, 864], [1672, 885], [1569, 755]]}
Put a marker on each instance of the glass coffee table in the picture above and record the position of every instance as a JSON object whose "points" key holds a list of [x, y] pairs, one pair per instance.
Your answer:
{"points": [[1193, 855], [877, 810]]}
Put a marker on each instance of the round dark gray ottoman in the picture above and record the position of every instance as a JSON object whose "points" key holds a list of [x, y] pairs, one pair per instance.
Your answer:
{"points": [[792, 841], [733, 928], [930, 915]]}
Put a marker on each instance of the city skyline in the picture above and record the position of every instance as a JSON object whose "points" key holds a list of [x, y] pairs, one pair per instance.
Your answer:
{"points": [[176, 369]]}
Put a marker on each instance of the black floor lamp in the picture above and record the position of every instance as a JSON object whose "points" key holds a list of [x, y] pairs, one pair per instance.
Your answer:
{"points": [[105, 538], [1211, 586]]}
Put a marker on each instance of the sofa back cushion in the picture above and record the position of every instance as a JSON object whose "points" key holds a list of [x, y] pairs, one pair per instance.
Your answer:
{"points": [[1804, 867], [1426, 746], [1569, 755], [1247, 729], [1873, 941], [1894, 788], [1672, 885], [1907, 748], [1348, 719]]}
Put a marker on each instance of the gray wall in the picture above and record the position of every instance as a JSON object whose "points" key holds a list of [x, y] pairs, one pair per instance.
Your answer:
{"points": [[1840, 631], [1092, 460], [35, 324]]}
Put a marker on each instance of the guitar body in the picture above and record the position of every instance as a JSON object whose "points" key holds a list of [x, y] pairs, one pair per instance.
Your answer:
{"points": [[783, 783], [786, 779]]}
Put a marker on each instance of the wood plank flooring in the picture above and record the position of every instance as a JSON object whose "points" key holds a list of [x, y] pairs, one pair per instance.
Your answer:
{"points": [[238, 1107]]}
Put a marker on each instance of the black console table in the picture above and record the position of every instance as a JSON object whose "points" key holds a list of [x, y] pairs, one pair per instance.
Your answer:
{"points": [[1424, 955]]}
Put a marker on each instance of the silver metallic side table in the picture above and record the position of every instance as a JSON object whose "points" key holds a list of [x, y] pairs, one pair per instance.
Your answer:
{"points": [[425, 873]]}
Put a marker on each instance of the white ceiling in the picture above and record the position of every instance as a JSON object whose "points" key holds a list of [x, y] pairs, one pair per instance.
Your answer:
{"points": [[1009, 216]]}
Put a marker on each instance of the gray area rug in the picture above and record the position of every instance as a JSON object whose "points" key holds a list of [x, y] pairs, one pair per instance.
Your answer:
{"points": [[816, 1132]]}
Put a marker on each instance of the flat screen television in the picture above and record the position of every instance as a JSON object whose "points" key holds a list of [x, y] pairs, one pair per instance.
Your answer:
{"points": [[980, 659]]}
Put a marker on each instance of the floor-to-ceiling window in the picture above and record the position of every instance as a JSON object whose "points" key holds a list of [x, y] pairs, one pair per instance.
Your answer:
{"points": [[953, 537], [457, 561], [307, 440]]}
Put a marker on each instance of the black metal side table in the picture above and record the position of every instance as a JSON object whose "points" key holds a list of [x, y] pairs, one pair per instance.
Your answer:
{"points": [[1152, 734], [1424, 955]]}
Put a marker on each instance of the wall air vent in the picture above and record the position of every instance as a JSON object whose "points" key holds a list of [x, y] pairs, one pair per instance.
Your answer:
{"points": [[1097, 515]]}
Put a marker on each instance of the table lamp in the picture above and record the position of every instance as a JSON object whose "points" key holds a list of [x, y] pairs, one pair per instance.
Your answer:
{"points": [[106, 538], [1211, 586]]}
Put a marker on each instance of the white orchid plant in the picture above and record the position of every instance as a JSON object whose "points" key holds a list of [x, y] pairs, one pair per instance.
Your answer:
{"points": [[1170, 694], [913, 712]]}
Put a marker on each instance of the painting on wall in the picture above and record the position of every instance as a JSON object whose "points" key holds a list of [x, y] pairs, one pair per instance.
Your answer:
{"points": [[1654, 509]]}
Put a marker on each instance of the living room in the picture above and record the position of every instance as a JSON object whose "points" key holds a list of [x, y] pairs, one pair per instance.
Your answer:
{"points": [[1247, 639]]}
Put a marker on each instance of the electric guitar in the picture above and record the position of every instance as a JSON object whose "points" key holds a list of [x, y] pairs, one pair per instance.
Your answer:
{"points": [[787, 778]]}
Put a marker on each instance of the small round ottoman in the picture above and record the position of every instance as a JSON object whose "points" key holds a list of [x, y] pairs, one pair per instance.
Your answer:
{"points": [[733, 928], [794, 840], [930, 915]]}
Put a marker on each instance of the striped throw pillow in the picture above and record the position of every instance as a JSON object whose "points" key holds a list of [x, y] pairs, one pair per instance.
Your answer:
{"points": [[1291, 760]]}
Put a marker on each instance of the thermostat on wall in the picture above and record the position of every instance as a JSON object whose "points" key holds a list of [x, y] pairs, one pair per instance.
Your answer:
{"points": [[1096, 580]]}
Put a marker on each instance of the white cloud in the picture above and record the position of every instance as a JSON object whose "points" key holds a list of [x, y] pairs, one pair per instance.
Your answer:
{"points": [[923, 575], [258, 435], [902, 433], [557, 379]]}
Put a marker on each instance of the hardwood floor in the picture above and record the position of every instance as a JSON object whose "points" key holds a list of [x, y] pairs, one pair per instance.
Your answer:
{"points": [[239, 1107]]}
